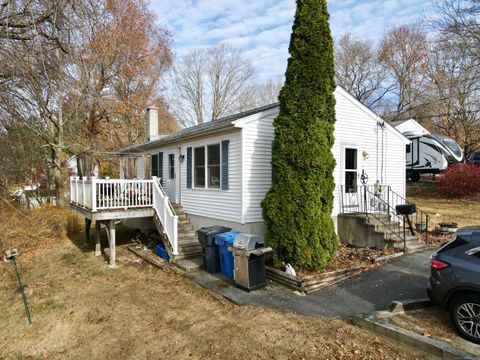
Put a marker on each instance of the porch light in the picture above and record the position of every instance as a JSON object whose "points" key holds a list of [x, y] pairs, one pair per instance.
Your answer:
{"points": [[181, 158]]}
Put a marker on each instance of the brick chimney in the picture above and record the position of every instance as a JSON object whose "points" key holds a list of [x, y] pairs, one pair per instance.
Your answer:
{"points": [[152, 123]]}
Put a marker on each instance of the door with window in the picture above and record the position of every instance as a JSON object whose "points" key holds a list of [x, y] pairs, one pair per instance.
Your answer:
{"points": [[172, 176], [350, 180]]}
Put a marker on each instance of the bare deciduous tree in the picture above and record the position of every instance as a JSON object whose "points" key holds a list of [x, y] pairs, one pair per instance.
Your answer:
{"points": [[359, 71], [403, 53], [209, 83], [453, 89]]}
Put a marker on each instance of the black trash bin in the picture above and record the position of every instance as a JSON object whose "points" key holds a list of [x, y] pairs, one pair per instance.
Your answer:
{"points": [[211, 257]]}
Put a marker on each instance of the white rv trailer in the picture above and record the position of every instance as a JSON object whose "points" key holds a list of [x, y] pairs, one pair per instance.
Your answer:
{"points": [[428, 153]]}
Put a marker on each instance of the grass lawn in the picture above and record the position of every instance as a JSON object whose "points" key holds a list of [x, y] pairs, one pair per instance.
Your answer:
{"points": [[81, 309], [427, 197], [434, 323]]}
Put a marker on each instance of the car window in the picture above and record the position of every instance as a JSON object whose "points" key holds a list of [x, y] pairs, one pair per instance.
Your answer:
{"points": [[474, 252]]}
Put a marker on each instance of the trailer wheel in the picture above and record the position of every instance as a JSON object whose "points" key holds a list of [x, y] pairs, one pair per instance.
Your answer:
{"points": [[415, 177]]}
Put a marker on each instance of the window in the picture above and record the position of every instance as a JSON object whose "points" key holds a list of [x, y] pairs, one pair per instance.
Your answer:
{"points": [[199, 166], [408, 148], [351, 170], [171, 166], [206, 166], [213, 156]]}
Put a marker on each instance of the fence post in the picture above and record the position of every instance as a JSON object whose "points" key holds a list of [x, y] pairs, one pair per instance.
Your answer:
{"points": [[94, 193]]}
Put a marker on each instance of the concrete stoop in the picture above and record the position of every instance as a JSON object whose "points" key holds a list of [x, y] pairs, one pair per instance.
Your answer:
{"points": [[362, 230]]}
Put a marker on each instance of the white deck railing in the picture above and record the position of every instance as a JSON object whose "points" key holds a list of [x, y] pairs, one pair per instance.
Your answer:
{"points": [[165, 213], [112, 194]]}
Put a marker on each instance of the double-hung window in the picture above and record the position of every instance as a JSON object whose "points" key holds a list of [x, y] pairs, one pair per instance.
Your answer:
{"points": [[206, 166], [213, 156]]}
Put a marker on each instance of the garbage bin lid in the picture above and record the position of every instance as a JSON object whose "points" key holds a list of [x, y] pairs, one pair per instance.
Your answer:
{"points": [[226, 238], [248, 241]]}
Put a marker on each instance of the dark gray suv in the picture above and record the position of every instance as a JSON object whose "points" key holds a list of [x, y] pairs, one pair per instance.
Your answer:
{"points": [[455, 281]]}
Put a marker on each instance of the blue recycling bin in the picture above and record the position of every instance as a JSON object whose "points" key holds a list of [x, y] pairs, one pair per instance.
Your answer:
{"points": [[162, 252], [223, 241]]}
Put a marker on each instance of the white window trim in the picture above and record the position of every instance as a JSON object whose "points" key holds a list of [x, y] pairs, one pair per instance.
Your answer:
{"points": [[206, 187]]}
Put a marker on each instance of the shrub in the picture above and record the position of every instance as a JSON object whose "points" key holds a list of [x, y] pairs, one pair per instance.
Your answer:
{"points": [[29, 230], [460, 181], [297, 208]]}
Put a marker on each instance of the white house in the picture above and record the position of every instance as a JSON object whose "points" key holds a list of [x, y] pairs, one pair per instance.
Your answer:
{"points": [[220, 171], [217, 173]]}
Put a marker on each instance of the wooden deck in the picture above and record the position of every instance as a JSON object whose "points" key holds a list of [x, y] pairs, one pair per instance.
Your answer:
{"points": [[107, 201]]}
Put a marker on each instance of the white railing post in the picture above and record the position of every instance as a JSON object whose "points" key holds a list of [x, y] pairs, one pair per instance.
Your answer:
{"points": [[94, 194], [154, 193], [175, 235], [76, 189], [83, 192], [165, 207], [71, 190]]}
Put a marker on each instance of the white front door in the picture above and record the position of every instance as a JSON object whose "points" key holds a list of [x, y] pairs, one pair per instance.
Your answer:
{"points": [[350, 197], [172, 176]]}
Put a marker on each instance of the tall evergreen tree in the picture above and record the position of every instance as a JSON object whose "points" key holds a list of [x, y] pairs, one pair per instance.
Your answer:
{"points": [[297, 208]]}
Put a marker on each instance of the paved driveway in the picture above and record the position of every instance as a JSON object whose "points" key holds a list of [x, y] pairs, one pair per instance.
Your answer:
{"points": [[401, 279]]}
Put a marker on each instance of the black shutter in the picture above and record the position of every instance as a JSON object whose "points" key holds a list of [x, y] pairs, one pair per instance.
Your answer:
{"points": [[189, 167], [160, 167], [225, 145]]}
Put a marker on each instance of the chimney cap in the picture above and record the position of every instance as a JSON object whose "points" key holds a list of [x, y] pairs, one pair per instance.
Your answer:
{"points": [[153, 108]]}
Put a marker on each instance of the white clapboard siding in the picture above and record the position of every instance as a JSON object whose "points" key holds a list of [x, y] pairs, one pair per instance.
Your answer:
{"points": [[257, 140], [216, 203], [212, 203], [355, 127]]}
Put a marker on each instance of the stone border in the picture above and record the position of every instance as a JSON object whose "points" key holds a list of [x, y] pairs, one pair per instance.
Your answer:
{"points": [[420, 342], [320, 281], [397, 307]]}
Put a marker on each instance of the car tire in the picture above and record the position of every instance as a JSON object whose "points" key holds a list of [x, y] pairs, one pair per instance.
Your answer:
{"points": [[465, 315]]}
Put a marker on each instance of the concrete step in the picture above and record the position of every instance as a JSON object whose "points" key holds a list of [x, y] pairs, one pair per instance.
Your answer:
{"points": [[414, 248], [185, 221], [190, 264]]}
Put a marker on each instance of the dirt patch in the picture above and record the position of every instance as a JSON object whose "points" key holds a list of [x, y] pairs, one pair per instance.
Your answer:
{"points": [[433, 323], [82, 309], [348, 258]]}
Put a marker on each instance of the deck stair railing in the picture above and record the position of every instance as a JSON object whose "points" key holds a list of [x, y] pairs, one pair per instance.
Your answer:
{"points": [[95, 195], [379, 201]]}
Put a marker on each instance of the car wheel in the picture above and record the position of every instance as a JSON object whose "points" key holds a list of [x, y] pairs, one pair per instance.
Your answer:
{"points": [[465, 314]]}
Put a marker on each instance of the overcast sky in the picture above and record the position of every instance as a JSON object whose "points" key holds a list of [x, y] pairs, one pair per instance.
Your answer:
{"points": [[261, 28]]}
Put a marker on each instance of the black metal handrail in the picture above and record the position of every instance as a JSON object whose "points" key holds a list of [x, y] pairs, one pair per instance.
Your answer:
{"points": [[420, 218], [380, 202]]}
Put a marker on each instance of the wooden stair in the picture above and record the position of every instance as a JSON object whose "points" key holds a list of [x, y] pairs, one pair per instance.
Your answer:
{"points": [[188, 245]]}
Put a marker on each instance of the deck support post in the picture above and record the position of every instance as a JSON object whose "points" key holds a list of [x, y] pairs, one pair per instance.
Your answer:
{"points": [[88, 224], [98, 243], [111, 238]]}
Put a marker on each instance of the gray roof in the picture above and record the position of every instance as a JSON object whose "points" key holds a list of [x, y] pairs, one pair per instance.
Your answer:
{"points": [[197, 129]]}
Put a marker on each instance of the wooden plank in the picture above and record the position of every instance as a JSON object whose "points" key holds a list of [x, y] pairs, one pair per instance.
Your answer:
{"points": [[159, 263]]}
